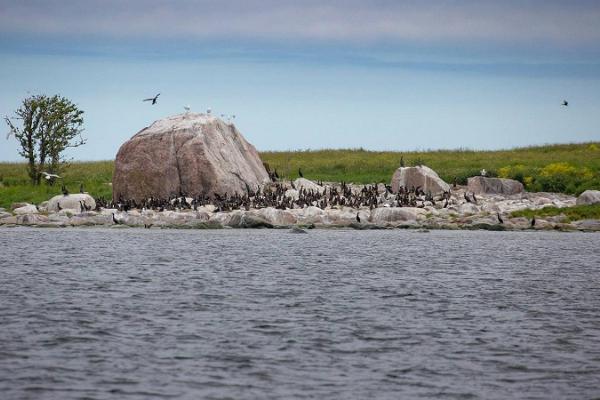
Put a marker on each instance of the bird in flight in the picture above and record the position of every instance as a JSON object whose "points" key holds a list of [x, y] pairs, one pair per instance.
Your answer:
{"points": [[152, 99], [50, 176], [565, 103]]}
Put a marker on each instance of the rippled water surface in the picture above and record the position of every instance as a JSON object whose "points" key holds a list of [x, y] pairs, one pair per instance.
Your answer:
{"points": [[258, 314]]}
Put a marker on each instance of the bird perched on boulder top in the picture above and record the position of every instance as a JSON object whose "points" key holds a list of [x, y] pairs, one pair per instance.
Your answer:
{"points": [[152, 99]]}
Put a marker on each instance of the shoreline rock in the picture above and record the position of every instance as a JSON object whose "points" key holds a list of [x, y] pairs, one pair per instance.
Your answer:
{"points": [[458, 215]]}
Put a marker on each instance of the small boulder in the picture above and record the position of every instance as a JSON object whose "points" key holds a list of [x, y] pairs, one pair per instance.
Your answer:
{"points": [[385, 215], [589, 197], [484, 185], [71, 202], [421, 176], [28, 209], [308, 185], [32, 219]]}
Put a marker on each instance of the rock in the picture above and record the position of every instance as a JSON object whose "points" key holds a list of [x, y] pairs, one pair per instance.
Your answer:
{"points": [[14, 206], [421, 176], [303, 183], [589, 197], [247, 220], [70, 202], [309, 216], [387, 215], [484, 185], [587, 224], [10, 220], [274, 216], [190, 153], [31, 219], [28, 209]]}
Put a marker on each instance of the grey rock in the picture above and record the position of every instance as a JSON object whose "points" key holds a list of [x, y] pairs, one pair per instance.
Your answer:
{"points": [[190, 153], [589, 197], [28, 209], [421, 176], [484, 185], [70, 202]]}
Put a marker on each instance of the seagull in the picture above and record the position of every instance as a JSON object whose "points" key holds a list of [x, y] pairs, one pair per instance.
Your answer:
{"points": [[483, 172], [565, 103], [152, 99], [187, 108], [50, 176]]}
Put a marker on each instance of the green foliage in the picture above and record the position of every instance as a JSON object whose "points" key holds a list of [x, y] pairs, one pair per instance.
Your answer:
{"points": [[48, 126], [575, 213]]}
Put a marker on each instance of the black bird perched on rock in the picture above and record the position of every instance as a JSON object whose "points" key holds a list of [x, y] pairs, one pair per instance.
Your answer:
{"points": [[152, 99], [474, 199], [500, 220], [533, 221], [565, 103], [358, 217], [300, 173], [467, 198], [64, 190], [402, 161], [81, 188]]}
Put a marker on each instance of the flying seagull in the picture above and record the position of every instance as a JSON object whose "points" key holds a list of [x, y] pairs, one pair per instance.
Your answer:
{"points": [[152, 99], [50, 176], [565, 103]]}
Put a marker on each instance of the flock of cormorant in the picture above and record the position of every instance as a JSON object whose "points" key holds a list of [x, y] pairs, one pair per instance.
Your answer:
{"points": [[283, 196]]}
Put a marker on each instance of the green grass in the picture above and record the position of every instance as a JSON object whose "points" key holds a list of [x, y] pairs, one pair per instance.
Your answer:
{"points": [[575, 213], [569, 168], [15, 186], [524, 164]]}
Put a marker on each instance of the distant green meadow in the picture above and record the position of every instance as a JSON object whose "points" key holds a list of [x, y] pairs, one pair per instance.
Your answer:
{"points": [[565, 168]]}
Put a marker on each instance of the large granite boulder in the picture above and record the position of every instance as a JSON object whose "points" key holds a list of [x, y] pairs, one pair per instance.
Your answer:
{"points": [[484, 185], [420, 176], [589, 197], [70, 202], [190, 153]]}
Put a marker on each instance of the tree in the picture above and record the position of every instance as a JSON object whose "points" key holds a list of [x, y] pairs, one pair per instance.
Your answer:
{"points": [[49, 126]]}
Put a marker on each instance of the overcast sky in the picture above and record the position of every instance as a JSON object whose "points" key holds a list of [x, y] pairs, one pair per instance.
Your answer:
{"points": [[397, 75]]}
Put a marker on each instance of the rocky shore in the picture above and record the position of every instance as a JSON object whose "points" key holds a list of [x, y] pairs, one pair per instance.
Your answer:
{"points": [[490, 212]]}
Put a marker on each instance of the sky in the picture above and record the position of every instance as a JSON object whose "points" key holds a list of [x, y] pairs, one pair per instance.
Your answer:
{"points": [[380, 75]]}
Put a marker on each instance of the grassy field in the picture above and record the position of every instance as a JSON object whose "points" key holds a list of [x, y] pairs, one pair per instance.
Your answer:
{"points": [[568, 168], [571, 213]]}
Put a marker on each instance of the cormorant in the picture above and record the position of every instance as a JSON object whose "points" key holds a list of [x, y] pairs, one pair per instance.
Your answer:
{"points": [[500, 220], [300, 173], [152, 99], [467, 198], [358, 218], [81, 188], [533, 221], [64, 190], [402, 161]]}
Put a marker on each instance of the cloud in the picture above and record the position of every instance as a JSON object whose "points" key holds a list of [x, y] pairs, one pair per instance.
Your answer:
{"points": [[526, 23]]}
